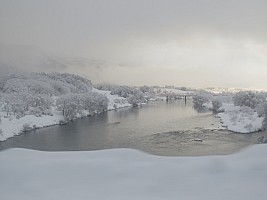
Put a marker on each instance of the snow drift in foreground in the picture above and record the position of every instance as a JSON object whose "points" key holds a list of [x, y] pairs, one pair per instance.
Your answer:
{"points": [[129, 174]]}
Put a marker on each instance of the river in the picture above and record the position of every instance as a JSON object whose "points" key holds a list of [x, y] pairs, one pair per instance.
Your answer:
{"points": [[161, 128]]}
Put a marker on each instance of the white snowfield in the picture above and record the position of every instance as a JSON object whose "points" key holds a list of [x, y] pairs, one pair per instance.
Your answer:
{"points": [[240, 120], [124, 174], [14, 127]]}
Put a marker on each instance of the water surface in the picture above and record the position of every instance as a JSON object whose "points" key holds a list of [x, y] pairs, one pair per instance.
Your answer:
{"points": [[162, 128]]}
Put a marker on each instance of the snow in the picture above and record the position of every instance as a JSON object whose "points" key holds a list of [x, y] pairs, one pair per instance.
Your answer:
{"points": [[15, 126], [232, 90], [240, 120], [12, 127], [208, 105], [115, 101], [175, 91], [124, 174]]}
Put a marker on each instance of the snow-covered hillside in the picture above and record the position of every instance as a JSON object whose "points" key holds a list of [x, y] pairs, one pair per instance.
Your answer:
{"points": [[14, 126], [129, 175], [38, 100], [231, 90]]}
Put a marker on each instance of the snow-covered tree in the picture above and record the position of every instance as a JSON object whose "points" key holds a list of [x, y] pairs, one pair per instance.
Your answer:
{"points": [[72, 105], [216, 105], [12, 103], [46, 84], [68, 105], [26, 127], [260, 109], [136, 98], [101, 102], [145, 89], [36, 93], [264, 123], [249, 99], [200, 99]]}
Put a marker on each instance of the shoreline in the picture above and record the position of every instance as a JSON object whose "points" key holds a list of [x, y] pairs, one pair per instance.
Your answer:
{"points": [[198, 141], [16, 127], [58, 123]]}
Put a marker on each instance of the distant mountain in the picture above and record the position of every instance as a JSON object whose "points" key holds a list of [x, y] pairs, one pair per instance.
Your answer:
{"points": [[92, 68], [84, 63], [29, 58]]}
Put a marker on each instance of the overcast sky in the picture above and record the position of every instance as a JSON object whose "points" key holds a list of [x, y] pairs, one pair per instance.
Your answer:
{"points": [[182, 42]]}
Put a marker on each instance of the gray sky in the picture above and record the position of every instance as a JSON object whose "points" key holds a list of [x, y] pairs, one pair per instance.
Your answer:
{"points": [[181, 42]]}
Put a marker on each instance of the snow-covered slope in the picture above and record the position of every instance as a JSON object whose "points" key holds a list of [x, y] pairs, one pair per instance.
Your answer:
{"points": [[124, 174]]}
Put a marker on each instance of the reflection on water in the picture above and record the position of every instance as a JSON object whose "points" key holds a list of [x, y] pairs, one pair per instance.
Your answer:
{"points": [[172, 128]]}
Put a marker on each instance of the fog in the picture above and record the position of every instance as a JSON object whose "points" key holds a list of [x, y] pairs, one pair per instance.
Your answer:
{"points": [[181, 42]]}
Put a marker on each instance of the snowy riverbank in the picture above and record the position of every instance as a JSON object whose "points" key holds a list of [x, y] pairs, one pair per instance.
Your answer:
{"points": [[130, 174], [13, 126], [240, 119], [234, 118]]}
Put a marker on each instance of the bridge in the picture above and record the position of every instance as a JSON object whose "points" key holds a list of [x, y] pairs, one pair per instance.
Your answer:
{"points": [[179, 96]]}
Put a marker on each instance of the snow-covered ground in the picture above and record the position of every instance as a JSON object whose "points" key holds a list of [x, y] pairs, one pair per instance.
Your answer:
{"points": [[115, 101], [240, 119], [219, 90], [11, 127], [124, 174]]}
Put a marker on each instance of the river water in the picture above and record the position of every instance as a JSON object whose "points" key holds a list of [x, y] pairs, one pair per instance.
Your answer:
{"points": [[161, 128]]}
